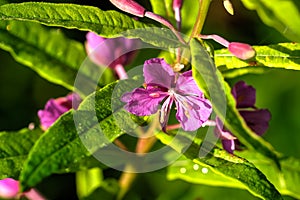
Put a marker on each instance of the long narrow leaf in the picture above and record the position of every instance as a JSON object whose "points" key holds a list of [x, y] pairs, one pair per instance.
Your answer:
{"points": [[224, 165]]}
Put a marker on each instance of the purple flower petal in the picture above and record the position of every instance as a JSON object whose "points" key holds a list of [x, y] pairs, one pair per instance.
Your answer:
{"points": [[244, 94], [222, 132], [54, 108], [186, 85], [143, 102], [192, 111], [110, 51], [257, 120], [158, 72], [229, 145]]}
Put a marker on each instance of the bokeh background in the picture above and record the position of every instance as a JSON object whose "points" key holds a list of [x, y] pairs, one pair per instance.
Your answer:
{"points": [[23, 93]]}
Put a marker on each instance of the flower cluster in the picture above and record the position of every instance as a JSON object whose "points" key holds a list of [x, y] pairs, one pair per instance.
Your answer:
{"points": [[256, 119], [165, 85]]}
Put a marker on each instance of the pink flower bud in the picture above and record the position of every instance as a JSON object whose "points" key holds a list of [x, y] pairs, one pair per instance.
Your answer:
{"points": [[241, 50], [130, 7], [177, 4], [9, 188]]}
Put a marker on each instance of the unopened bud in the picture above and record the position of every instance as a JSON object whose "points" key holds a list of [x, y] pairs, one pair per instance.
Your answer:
{"points": [[9, 188], [130, 7], [241, 50], [177, 4]]}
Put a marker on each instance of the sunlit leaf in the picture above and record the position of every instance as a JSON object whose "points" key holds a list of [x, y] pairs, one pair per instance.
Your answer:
{"points": [[277, 56], [87, 18], [287, 180], [226, 166], [282, 15], [14, 149], [61, 145]]}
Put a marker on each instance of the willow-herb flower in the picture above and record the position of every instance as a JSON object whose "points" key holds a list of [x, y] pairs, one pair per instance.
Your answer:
{"points": [[9, 189], [256, 119], [163, 84], [112, 52], [54, 108]]}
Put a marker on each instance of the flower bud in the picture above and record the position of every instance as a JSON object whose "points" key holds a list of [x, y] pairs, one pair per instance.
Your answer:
{"points": [[241, 50], [177, 4], [9, 188], [130, 7]]}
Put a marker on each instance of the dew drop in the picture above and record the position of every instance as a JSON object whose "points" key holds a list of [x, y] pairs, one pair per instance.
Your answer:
{"points": [[195, 166], [182, 170], [204, 170]]}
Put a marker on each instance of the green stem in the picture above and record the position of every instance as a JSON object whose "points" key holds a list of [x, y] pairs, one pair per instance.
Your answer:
{"points": [[202, 13], [144, 145], [125, 181]]}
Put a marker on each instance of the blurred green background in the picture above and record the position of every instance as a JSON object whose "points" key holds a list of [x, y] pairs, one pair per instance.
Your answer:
{"points": [[23, 92]]}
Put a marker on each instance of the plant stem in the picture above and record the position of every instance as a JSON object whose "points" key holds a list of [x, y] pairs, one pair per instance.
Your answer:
{"points": [[144, 144], [125, 181], [202, 13], [120, 71], [165, 22]]}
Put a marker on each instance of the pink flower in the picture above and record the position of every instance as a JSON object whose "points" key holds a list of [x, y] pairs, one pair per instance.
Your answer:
{"points": [[256, 119], [54, 108], [111, 52], [163, 84], [9, 189]]}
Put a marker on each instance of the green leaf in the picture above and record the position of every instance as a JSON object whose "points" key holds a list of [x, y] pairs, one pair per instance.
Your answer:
{"points": [[199, 174], [164, 9], [108, 190], [160, 37], [61, 145], [52, 55], [287, 180], [282, 15], [105, 23], [279, 56], [14, 148], [87, 181], [212, 83], [223, 164]]}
